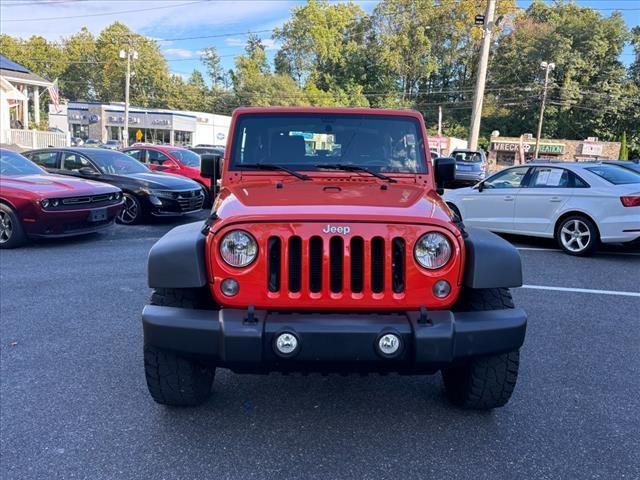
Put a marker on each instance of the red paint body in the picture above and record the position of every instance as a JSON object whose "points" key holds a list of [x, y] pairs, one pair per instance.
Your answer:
{"points": [[24, 193], [175, 165], [253, 201]]}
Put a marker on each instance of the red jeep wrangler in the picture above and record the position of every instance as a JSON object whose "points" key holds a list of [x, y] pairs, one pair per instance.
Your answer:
{"points": [[328, 249]]}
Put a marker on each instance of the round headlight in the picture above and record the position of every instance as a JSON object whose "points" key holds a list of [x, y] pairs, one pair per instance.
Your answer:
{"points": [[238, 248], [432, 250], [44, 203]]}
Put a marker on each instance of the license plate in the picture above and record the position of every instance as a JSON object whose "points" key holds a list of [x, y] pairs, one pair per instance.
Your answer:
{"points": [[98, 215]]}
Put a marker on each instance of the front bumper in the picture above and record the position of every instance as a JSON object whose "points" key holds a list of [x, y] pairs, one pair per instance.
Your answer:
{"points": [[470, 176], [332, 342], [66, 223]]}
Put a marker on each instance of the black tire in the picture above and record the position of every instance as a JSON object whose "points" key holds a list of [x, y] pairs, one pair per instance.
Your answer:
{"points": [[131, 213], [455, 211], [174, 380], [11, 232], [486, 382], [584, 228]]}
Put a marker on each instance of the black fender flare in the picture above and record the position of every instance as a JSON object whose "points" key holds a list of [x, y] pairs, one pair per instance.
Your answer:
{"points": [[491, 261], [177, 260]]}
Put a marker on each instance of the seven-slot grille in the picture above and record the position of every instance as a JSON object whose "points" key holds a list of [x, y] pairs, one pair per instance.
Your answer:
{"points": [[355, 264]]}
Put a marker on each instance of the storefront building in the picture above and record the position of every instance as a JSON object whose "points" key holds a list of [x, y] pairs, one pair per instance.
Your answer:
{"points": [[505, 151], [102, 122]]}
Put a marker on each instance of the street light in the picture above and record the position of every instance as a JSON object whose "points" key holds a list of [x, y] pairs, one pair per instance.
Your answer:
{"points": [[129, 54], [547, 67]]}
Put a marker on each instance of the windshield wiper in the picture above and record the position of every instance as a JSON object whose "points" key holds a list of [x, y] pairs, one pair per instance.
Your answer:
{"points": [[273, 166], [355, 168]]}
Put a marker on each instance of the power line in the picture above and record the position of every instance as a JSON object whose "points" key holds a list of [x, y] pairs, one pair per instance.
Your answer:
{"points": [[66, 17]]}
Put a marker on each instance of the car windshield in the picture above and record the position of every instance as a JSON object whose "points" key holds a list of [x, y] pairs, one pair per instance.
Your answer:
{"points": [[13, 164], [187, 157], [116, 163], [305, 142], [614, 174], [471, 157]]}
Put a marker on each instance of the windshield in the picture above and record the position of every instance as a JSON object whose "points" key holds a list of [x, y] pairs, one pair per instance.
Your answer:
{"points": [[472, 157], [13, 164], [383, 144], [187, 157], [614, 174], [116, 163]]}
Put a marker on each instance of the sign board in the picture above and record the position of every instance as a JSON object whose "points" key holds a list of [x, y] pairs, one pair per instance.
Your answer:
{"points": [[594, 149], [548, 148], [94, 118], [479, 20], [139, 135]]}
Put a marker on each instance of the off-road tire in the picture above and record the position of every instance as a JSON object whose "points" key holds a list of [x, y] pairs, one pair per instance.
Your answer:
{"points": [[17, 236], [197, 298], [485, 382], [174, 380]]}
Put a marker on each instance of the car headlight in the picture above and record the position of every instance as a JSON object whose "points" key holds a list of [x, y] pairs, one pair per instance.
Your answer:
{"points": [[238, 248], [432, 250], [44, 203]]}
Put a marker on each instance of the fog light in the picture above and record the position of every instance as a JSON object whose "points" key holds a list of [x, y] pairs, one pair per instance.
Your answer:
{"points": [[389, 344], [286, 343], [229, 287], [441, 288]]}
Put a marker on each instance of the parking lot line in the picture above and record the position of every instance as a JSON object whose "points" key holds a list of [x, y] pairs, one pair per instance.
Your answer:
{"points": [[582, 290], [542, 249]]}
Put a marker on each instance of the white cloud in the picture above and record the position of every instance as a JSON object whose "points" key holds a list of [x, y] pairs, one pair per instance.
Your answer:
{"points": [[178, 53], [235, 41]]}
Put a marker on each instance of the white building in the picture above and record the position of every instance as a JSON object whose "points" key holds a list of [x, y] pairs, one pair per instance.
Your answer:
{"points": [[105, 121]]}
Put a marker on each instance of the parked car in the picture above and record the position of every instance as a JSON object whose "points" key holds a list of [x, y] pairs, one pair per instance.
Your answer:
{"points": [[145, 192], [209, 145], [112, 145], [579, 204], [77, 141], [91, 142], [34, 203], [170, 159], [628, 164], [208, 150], [341, 263], [471, 166]]}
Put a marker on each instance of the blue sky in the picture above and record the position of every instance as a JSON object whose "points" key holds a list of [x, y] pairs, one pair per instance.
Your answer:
{"points": [[174, 22]]}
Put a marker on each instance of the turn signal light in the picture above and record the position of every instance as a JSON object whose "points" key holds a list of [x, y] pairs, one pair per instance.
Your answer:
{"points": [[630, 200]]}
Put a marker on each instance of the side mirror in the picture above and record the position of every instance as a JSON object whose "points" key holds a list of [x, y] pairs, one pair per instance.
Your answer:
{"points": [[169, 164], [88, 171], [480, 186], [211, 166], [445, 170]]}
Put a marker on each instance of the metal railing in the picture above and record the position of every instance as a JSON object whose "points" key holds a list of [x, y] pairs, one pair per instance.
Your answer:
{"points": [[37, 138]]}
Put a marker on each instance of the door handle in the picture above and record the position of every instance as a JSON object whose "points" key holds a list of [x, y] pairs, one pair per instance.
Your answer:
{"points": [[508, 198], [555, 199]]}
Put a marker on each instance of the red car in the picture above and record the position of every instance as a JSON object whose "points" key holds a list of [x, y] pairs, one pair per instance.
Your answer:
{"points": [[169, 159], [329, 249], [34, 203]]}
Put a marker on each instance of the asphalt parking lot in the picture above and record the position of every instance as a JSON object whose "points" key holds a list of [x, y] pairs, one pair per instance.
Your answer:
{"points": [[74, 402]]}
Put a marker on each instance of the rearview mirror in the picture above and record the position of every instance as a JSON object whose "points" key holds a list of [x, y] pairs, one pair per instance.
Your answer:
{"points": [[88, 171], [445, 170]]}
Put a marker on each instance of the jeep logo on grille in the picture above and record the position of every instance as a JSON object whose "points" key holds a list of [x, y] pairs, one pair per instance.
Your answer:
{"points": [[340, 230]]}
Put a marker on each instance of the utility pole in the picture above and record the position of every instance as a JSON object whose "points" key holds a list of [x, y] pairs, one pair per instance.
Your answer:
{"points": [[478, 95], [129, 53], [547, 68]]}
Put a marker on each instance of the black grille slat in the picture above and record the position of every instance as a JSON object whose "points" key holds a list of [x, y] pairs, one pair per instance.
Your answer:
{"points": [[295, 264], [274, 249], [315, 264], [357, 264], [377, 264], [398, 253], [336, 252]]}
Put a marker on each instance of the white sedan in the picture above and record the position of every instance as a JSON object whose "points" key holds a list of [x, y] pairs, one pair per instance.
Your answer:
{"points": [[578, 204]]}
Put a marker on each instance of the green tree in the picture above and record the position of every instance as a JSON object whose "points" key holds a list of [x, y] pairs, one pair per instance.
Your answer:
{"points": [[77, 82], [624, 150]]}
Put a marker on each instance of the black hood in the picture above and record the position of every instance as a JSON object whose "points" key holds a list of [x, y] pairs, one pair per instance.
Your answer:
{"points": [[153, 180]]}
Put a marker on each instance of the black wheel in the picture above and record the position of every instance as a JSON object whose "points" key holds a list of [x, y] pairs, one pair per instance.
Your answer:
{"points": [[486, 382], [11, 232], [577, 235], [455, 211], [131, 212], [174, 380]]}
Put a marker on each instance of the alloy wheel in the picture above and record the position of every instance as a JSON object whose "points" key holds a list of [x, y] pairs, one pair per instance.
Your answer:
{"points": [[6, 227], [130, 210], [575, 235]]}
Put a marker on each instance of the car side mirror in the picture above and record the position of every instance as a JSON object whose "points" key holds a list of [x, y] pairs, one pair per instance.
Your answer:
{"points": [[88, 171], [445, 170], [211, 166], [480, 186], [169, 164]]}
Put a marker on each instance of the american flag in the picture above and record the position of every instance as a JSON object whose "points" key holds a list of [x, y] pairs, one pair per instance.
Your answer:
{"points": [[54, 93]]}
